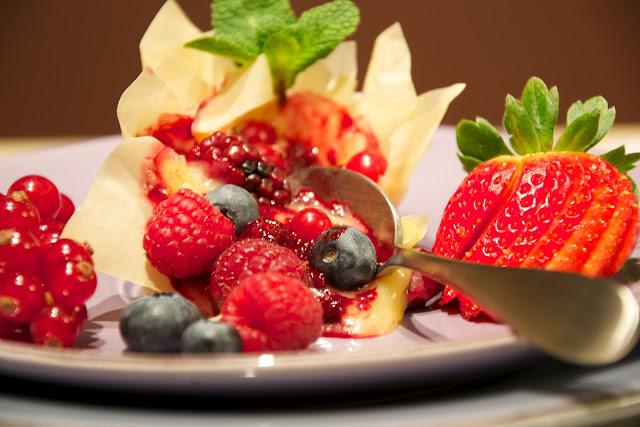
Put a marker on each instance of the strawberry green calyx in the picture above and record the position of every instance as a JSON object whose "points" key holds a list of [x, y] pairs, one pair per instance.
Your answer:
{"points": [[530, 123], [244, 29]]}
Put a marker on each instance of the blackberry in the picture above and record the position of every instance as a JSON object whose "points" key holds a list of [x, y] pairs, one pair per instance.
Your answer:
{"points": [[266, 182]]}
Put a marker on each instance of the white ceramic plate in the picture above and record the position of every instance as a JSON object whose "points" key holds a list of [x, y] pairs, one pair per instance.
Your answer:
{"points": [[432, 348]]}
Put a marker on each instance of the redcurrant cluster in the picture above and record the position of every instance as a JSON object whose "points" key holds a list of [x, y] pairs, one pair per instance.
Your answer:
{"points": [[44, 280]]}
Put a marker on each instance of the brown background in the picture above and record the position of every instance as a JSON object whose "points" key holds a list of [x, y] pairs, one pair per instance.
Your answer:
{"points": [[64, 63]]}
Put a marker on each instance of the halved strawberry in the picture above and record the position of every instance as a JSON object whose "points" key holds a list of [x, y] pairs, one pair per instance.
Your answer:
{"points": [[562, 209]]}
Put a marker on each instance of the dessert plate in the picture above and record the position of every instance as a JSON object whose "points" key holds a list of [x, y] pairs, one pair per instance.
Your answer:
{"points": [[431, 348]]}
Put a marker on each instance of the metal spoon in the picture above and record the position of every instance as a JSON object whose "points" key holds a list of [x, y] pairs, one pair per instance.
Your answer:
{"points": [[574, 318]]}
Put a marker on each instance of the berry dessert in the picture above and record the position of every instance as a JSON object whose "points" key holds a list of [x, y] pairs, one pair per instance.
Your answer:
{"points": [[548, 205], [200, 202], [201, 180], [44, 280]]}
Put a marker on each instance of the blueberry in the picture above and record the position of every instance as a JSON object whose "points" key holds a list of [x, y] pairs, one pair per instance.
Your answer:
{"points": [[345, 256], [155, 323], [207, 336], [236, 203]]}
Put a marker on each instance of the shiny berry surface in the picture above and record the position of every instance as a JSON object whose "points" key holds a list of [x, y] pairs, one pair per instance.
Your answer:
{"points": [[71, 283], [19, 250], [309, 223], [67, 209], [265, 229], [17, 210], [21, 297], [369, 164], [63, 251], [42, 192], [49, 232], [55, 326], [258, 133]]}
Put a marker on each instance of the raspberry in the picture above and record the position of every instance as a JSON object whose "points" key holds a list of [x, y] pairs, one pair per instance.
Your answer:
{"points": [[42, 192], [186, 234], [19, 250], [17, 210], [265, 229], [274, 310], [248, 257]]}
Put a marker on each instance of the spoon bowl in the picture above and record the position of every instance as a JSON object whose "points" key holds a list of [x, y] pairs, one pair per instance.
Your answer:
{"points": [[574, 318]]}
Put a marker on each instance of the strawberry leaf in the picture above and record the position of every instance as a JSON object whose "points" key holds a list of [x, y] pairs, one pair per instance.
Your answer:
{"points": [[579, 134], [479, 140], [468, 163], [607, 116], [621, 160], [522, 132], [542, 106]]}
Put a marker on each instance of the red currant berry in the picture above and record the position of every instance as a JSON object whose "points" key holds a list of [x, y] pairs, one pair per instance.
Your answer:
{"points": [[7, 328], [49, 232], [42, 192], [80, 315], [67, 208], [55, 326], [65, 250], [19, 250], [71, 283], [309, 223], [21, 297], [369, 164], [258, 133], [17, 210]]}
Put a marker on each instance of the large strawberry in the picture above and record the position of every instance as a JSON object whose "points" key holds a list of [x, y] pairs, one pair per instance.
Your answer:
{"points": [[550, 206]]}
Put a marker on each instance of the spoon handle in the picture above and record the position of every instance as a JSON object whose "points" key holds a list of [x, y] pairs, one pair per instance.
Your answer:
{"points": [[574, 318]]}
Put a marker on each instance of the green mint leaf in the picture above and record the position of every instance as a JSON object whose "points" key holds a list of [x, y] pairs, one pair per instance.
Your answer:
{"points": [[607, 116], [249, 22], [480, 140], [579, 134], [522, 132], [468, 163], [322, 28], [282, 50], [542, 105], [621, 160], [222, 47]]}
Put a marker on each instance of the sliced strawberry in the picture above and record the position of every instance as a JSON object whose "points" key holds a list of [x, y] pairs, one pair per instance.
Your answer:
{"points": [[607, 250], [471, 208], [565, 209]]}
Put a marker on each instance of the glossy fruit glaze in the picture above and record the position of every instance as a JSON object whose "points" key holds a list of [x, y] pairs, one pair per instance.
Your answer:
{"points": [[299, 137]]}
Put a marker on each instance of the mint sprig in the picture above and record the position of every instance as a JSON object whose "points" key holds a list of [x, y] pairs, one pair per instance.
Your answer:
{"points": [[246, 28], [530, 123]]}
